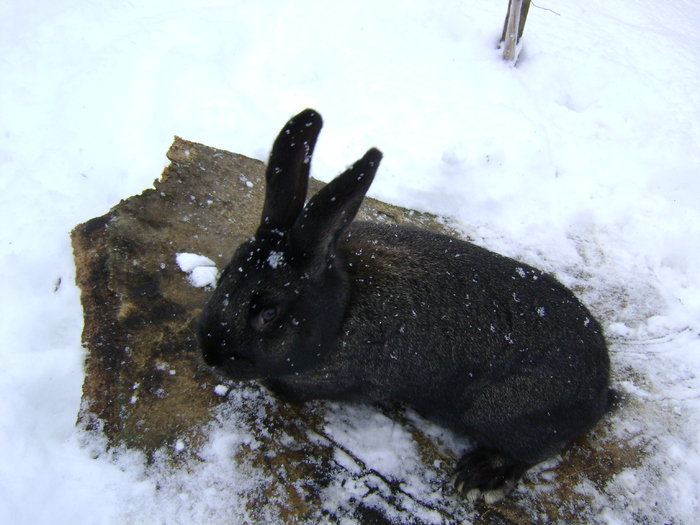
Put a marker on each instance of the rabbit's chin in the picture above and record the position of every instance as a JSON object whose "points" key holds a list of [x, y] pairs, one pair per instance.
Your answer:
{"points": [[238, 369]]}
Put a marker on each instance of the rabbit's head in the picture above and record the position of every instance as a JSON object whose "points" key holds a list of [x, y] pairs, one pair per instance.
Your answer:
{"points": [[281, 300]]}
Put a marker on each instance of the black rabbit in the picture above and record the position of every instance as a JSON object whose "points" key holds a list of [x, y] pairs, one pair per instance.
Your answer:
{"points": [[321, 307]]}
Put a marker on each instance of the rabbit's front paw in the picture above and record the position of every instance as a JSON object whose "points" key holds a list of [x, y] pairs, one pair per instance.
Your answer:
{"points": [[487, 474]]}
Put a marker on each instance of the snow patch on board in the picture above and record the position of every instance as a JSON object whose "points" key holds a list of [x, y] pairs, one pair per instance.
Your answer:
{"points": [[201, 271]]}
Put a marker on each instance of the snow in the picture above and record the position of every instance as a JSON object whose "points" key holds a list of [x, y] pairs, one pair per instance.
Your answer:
{"points": [[583, 161], [275, 259], [221, 390], [201, 271]]}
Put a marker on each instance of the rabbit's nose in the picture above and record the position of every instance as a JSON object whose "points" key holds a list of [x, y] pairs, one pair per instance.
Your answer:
{"points": [[210, 347]]}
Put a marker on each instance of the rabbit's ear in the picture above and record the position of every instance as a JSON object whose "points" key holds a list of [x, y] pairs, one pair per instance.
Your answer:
{"points": [[330, 211], [287, 173]]}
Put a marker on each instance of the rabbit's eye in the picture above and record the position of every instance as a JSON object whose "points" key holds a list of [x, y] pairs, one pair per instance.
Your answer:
{"points": [[269, 315], [265, 317]]}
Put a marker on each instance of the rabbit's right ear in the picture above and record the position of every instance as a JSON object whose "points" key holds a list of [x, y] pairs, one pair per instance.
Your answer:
{"points": [[287, 175], [332, 209]]}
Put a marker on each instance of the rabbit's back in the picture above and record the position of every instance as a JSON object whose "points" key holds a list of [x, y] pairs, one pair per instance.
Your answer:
{"points": [[403, 277]]}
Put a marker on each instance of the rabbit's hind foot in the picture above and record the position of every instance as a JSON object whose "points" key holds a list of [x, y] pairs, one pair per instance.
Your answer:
{"points": [[487, 474]]}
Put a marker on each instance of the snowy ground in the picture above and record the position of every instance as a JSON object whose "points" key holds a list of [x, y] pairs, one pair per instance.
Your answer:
{"points": [[584, 160]]}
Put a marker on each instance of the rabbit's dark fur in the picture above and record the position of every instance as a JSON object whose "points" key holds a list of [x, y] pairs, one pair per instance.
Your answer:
{"points": [[318, 306]]}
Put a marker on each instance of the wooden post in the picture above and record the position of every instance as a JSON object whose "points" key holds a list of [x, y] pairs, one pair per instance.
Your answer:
{"points": [[513, 28]]}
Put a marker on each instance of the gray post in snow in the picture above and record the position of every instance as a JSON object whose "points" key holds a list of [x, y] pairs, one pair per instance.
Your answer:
{"points": [[513, 28]]}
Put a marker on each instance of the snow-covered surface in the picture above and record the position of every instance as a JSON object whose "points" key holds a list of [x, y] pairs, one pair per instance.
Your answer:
{"points": [[584, 160]]}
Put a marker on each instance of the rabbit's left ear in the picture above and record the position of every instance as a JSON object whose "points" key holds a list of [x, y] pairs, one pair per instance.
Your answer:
{"points": [[287, 175], [333, 208]]}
